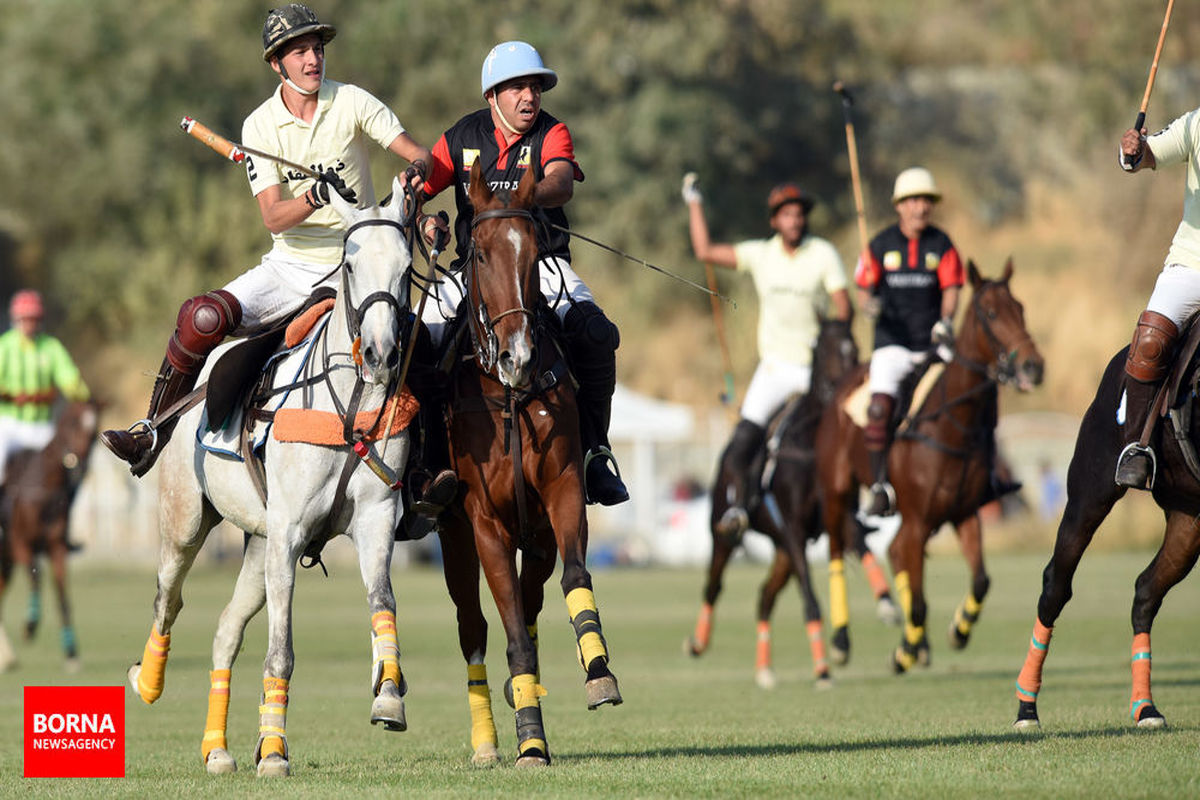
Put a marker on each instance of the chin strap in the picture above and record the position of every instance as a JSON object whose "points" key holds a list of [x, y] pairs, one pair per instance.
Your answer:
{"points": [[307, 93], [503, 119]]}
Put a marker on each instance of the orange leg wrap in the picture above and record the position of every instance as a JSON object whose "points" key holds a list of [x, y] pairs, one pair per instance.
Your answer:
{"points": [[1141, 675], [1029, 682], [152, 676], [875, 576], [218, 713], [762, 659], [703, 628], [272, 719], [816, 643]]}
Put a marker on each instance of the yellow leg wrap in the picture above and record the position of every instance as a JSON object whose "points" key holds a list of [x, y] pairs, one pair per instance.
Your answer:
{"points": [[533, 744], [762, 658], [966, 613], [526, 691], [904, 659], [272, 719], [385, 653], [218, 713], [581, 605], [839, 604], [904, 594], [913, 633], [152, 676], [479, 699]]}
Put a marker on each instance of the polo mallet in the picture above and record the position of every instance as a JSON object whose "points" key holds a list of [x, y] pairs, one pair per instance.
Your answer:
{"points": [[1162, 37], [727, 395], [237, 152], [855, 179]]}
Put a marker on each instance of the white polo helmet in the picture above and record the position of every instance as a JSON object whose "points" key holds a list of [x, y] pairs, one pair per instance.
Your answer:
{"points": [[915, 182], [509, 60]]}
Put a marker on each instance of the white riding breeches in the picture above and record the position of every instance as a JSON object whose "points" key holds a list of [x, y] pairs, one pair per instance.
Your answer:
{"points": [[890, 365], [277, 287], [558, 283], [1176, 294], [773, 383], [16, 435]]}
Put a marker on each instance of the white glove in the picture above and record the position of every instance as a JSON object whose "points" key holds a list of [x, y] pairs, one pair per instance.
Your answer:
{"points": [[943, 338], [691, 192]]}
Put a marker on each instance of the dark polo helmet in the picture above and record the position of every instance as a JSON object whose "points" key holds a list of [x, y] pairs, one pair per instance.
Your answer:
{"points": [[289, 22]]}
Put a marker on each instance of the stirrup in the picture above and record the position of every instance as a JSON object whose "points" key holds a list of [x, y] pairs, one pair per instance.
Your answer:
{"points": [[1132, 451], [602, 451], [149, 428]]}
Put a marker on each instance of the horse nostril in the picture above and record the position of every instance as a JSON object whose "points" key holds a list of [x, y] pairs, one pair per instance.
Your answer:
{"points": [[393, 358]]}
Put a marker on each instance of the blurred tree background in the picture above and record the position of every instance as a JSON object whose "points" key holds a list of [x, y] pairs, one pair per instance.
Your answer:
{"points": [[1016, 105]]}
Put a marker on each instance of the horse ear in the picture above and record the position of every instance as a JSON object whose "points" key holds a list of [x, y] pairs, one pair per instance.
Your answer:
{"points": [[478, 190], [524, 196], [398, 199], [1008, 270], [973, 273]]}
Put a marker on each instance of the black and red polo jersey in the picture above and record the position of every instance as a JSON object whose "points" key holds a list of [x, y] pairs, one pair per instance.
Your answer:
{"points": [[908, 275], [475, 138]]}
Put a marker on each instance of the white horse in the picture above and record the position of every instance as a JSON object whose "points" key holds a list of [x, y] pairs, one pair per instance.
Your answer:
{"points": [[359, 352]]}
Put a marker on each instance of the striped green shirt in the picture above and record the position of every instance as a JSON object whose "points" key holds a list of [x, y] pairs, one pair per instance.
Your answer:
{"points": [[30, 372]]}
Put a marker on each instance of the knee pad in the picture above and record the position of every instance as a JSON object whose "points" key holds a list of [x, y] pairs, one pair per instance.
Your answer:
{"points": [[586, 327], [202, 323], [1152, 347]]}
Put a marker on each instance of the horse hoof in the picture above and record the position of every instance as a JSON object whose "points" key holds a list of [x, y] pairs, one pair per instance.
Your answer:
{"points": [[957, 639], [533, 758], [888, 612], [692, 648], [602, 691], [1150, 719], [219, 762], [823, 683], [72, 665], [486, 756], [765, 678], [1027, 716], [388, 708], [274, 766], [896, 663], [839, 646], [8, 664], [1027, 725]]}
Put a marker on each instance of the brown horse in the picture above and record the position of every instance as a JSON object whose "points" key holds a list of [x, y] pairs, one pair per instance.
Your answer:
{"points": [[39, 488], [1091, 494], [789, 514], [515, 444], [942, 461]]}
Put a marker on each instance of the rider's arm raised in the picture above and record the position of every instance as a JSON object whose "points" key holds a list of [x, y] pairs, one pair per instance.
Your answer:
{"points": [[723, 255]]}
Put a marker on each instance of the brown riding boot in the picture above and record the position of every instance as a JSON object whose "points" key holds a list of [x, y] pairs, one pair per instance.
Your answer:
{"points": [[141, 443], [1147, 364], [877, 436]]}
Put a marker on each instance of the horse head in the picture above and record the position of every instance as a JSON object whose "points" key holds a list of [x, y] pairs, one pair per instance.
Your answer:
{"points": [[375, 258], [994, 332], [74, 434], [502, 279], [834, 355]]}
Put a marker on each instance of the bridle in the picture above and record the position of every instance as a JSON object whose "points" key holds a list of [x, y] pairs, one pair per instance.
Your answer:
{"points": [[482, 323], [356, 314], [1003, 367]]}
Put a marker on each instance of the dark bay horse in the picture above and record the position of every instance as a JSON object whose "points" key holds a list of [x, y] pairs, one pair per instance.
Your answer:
{"points": [[515, 444], [941, 464], [789, 514], [1091, 495], [40, 486]]}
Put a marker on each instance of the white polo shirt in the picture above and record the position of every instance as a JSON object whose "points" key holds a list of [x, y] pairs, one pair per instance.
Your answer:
{"points": [[346, 118], [1179, 143], [791, 289]]}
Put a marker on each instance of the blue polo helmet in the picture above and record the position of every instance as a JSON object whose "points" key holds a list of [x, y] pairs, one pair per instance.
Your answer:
{"points": [[509, 60]]}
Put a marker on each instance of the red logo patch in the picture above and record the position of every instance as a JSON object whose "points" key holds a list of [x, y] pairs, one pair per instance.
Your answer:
{"points": [[74, 732]]}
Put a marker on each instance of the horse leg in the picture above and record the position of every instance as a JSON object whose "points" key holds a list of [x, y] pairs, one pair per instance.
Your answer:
{"points": [[886, 609], [1091, 494], [793, 546], [249, 596], [908, 564], [460, 567], [185, 519], [722, 550], [374, 544], [536, 569], [839, 523], [1174, 560], [58, 569], [523, 691], [33, 616], [970, 539], [8, 658], [777, 578]]}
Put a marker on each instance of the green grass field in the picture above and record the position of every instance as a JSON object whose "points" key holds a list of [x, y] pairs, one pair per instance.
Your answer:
{"points": [[688, 727]]}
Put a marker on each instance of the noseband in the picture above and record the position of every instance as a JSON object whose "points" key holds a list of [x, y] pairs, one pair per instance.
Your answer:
{"points": [[483, 327], [1003, 368], [356, 314]]}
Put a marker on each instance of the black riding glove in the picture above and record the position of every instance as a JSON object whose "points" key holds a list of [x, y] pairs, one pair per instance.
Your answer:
{"points": [[329, 178]]}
